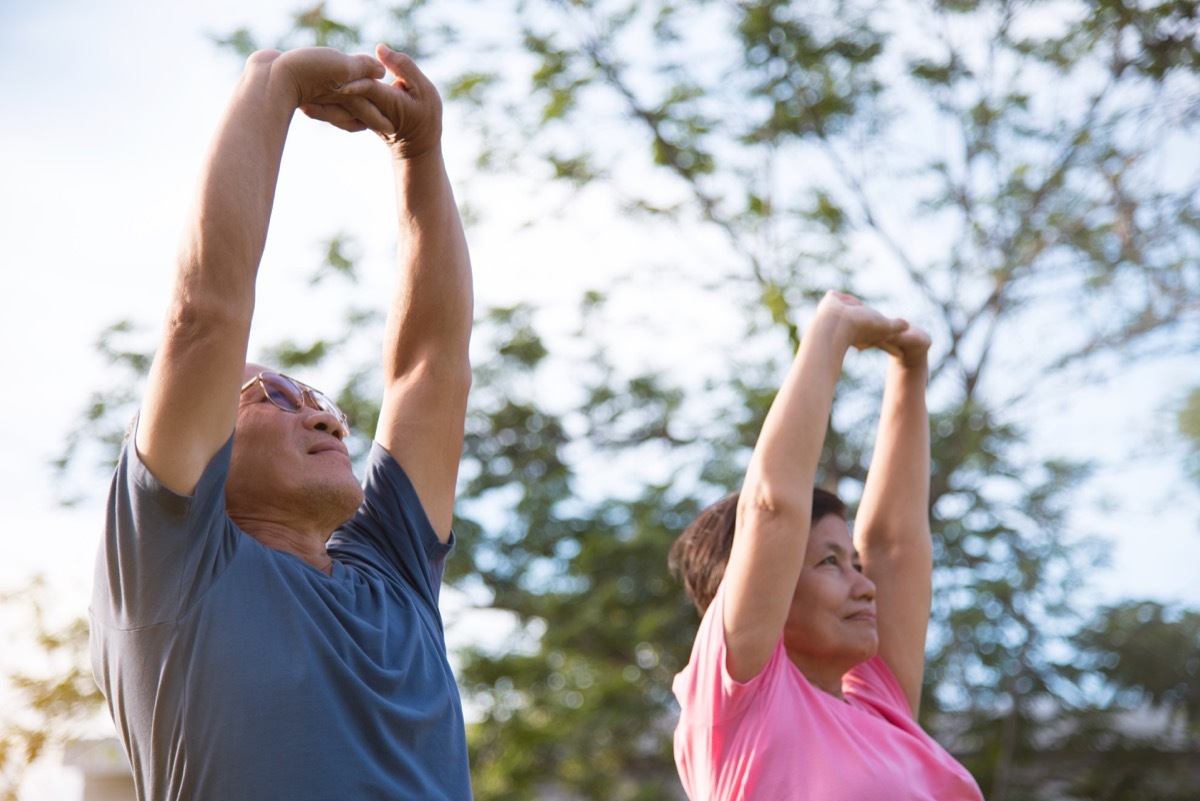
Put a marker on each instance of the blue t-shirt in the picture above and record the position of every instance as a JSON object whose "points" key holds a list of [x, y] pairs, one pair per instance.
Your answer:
{"points": [[235, 671]]}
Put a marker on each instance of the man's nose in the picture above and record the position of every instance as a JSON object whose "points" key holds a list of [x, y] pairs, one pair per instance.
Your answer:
{"points": [[322, 420]]}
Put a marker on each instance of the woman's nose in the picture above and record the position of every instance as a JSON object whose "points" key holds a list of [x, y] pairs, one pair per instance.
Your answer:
{"points": [[864, 587]]}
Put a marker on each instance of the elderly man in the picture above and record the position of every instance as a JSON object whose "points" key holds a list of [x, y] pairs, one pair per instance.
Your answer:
{"points": [[263, 625]]}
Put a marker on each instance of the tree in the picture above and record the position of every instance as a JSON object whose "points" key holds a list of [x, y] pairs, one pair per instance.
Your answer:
{"points": [[1189, 427], [996, 167], [56, 703], [1040, 205], [1148, 657]]}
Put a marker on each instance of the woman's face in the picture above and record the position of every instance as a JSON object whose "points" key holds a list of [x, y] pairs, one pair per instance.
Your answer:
{"points": [[831, 625]]}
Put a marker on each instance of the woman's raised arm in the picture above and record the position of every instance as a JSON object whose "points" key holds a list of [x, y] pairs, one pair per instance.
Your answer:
{"points": [[892, 526], [775, 505]]}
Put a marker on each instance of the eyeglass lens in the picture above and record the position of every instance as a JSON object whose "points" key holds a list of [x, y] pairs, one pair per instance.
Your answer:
{"points": [[287, 394], [282, 392]]}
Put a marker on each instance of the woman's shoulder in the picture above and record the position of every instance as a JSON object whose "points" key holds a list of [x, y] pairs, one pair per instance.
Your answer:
{"points": [[709, 695]]}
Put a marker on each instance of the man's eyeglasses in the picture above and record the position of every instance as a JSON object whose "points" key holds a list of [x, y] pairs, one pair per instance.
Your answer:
{"points": [[292, 395]]}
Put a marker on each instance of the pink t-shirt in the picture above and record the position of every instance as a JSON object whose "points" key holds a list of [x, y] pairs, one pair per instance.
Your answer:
{"points": [[777, 737]]}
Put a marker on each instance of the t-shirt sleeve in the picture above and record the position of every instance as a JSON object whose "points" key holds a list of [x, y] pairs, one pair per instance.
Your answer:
{"points": [[707, 694], [392, 523], [873, 686], [161, 550]]}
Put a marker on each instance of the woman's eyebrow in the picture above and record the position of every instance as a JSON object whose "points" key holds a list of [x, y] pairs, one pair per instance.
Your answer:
{"points": [[839, 550]]}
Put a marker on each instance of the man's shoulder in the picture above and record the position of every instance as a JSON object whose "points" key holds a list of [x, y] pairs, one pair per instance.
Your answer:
{"points": [[132, 476]]}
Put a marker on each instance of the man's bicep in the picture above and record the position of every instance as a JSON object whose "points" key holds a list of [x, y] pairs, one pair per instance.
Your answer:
{"points": [[421, 426], [189, 409]]}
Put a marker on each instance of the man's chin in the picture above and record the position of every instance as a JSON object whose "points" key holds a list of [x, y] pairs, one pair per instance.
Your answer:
{"points": [[350, 499], [333, 503]]}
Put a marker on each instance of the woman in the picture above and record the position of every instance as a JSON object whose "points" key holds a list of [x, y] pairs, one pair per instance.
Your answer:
{"points": [[805, 678]]}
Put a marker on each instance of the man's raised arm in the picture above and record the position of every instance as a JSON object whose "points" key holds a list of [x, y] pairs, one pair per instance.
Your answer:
{"points": [[191, 398], [426, 368]]}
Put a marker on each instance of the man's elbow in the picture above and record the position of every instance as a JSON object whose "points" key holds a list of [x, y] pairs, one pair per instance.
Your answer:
{"points": [[448, 377], [195, 318]]}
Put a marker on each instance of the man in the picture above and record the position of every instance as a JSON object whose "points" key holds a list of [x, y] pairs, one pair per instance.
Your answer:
{"points": [[263, 626]]}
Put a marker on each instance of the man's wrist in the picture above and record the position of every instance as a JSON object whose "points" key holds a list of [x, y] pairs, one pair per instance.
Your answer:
{"points": [[271, 82], [424, 155]]}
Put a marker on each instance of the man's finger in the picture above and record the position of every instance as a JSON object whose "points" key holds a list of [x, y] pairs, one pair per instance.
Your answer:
{"points": [[367, 67], [368, 113], [335, 115], [383, 95], [408, 75], [383, 99]]}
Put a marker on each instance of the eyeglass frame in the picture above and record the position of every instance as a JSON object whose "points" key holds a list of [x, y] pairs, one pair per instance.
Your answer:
{"points": [[310, 396]]}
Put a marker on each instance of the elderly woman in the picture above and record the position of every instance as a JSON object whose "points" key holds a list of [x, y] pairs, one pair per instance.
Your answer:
{"points": [[805, 677]]}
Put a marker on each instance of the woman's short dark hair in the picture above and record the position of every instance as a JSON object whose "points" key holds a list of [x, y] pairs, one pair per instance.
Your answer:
{"points": [[700, 553]]}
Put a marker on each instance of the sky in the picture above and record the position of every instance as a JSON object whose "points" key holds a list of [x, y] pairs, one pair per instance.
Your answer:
{"points": [[107, 114]]}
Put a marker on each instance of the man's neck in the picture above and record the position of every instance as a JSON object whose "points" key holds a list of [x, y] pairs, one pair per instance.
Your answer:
{"points": [[308, 546]]}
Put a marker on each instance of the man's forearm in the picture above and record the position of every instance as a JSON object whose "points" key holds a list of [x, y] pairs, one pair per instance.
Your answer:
{"points": [[434, 303], [228, 227], [190, 406]]}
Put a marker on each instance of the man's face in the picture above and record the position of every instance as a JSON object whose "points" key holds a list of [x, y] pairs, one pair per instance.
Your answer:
{"points": [[289, 468]]}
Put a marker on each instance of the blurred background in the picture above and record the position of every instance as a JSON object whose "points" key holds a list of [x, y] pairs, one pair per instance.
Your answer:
{"points": [[656, 194]]}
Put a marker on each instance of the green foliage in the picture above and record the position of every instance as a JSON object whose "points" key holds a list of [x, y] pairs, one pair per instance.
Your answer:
{"points": [[1152, 39], [1148, 656], [323, 31], [341, 255], [96, 439], [1151, 654], [53, 703], [1188, 419], [573, 713], [807, 83]]}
